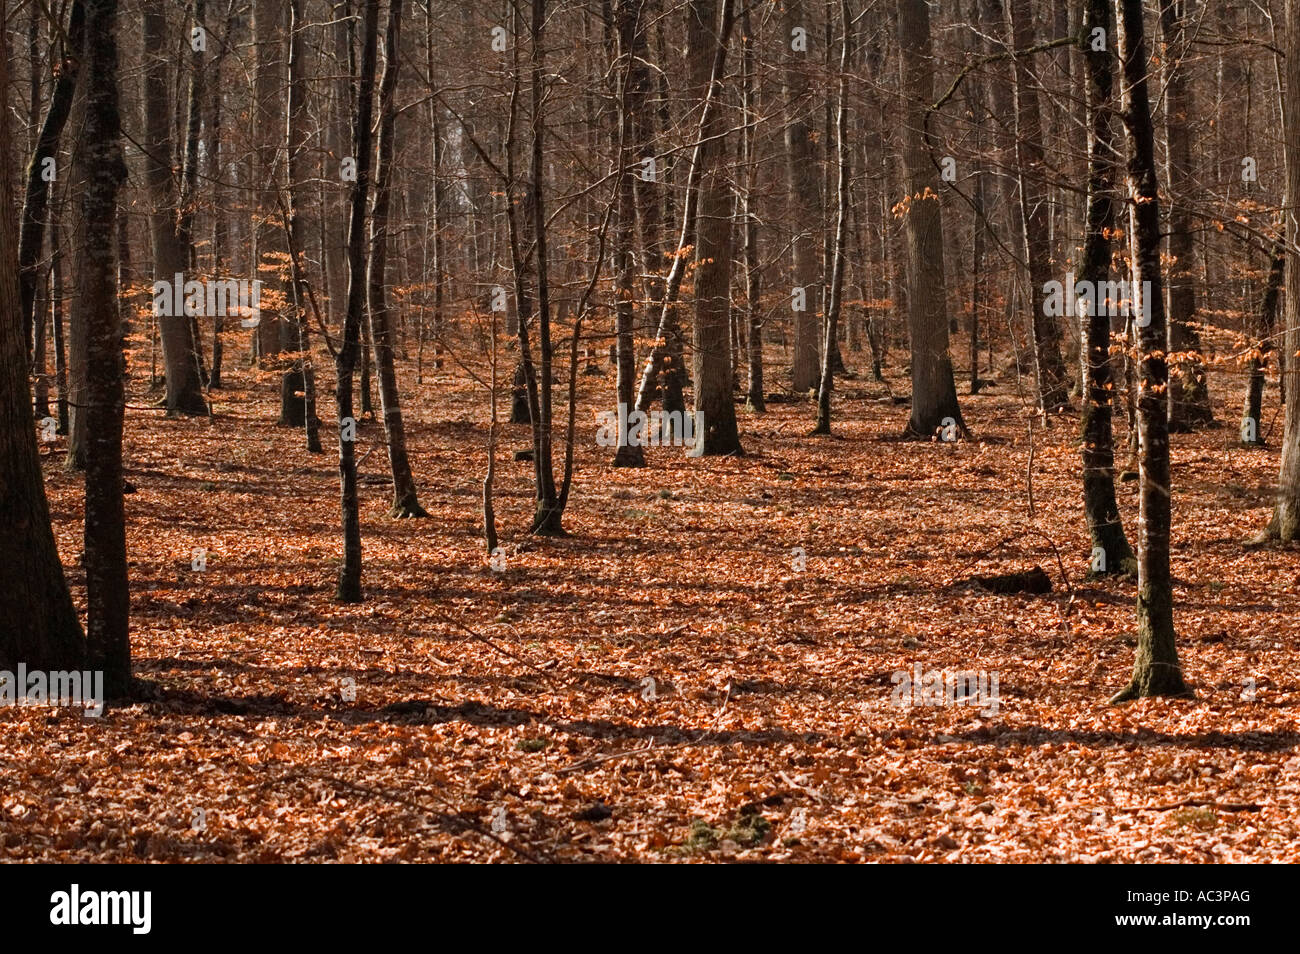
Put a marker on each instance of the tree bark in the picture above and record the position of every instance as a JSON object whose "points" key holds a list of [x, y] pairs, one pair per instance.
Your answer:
{"points": [[804, 195], [171, 256], [706, 33], [349, 588], [38, 623], [107, 588], [1189, 394], [1156, 671], [406, 501], [1053, 385], [1105, 528], [934, 394]]}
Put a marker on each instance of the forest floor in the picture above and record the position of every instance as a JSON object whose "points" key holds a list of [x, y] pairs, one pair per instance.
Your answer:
{"points": [[671, 682]]}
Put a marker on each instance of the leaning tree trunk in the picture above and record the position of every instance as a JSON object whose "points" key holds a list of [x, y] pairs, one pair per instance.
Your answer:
{"points": [[934, 394], [1053, 386], [345, 364], [1156, 671], [711, 367], [42, 171], [107, 593], [38, 623], [1189, 395], [406, 502], [1104, 525]]}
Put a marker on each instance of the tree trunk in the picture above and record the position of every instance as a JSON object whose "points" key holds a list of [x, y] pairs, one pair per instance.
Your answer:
{"points": [[1189, 395], [830, 350], [711, 358], [171, 257], [38, 623], [753, 272], [406, 502], [803, 192], [1156, 671], [934, 395], [36, 201], [302, 410], [349, 589], [628, 25], [1053, 386], [1104, 525], [107, 589], [1252, 426]]}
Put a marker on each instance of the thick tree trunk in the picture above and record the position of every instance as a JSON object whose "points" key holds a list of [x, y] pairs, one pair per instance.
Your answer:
{"points": [[38, 623], [1104, 525], [1053, 385], [934, 394], [711, 357], [171, 256], [1156, 671], [406, 501], [107, 592]]}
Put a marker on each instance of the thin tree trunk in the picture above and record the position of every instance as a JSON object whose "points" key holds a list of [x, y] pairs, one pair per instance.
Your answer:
{"points": [[1252, 426], [1104, 525], [406, 501], [1053, 385], [830, 349], [804, 194], [1189, 395], [349, 589], [1156, 671]]}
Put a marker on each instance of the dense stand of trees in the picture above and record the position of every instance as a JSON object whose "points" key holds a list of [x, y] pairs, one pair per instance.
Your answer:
{"points": [[738, 200]]}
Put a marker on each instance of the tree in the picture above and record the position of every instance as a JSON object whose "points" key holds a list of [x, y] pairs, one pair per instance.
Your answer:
{"points": [[1104, 525], [1189, 394], [38, 623], [1156, 671], [1285, 525], [711, 368], [804, 189], [406, 501], [1053, 386], [934, 395], [107, 587], [829, 350], [171, 254], [345, 362], [42, 171]]}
